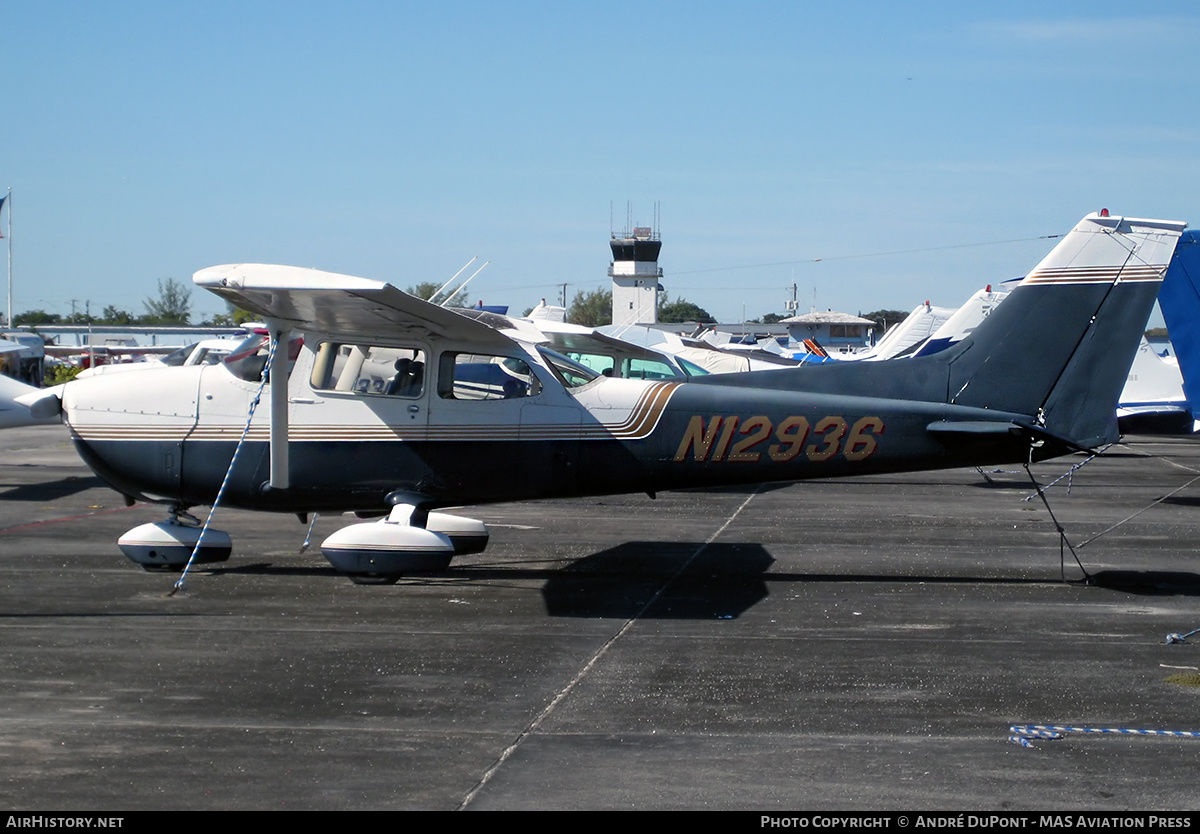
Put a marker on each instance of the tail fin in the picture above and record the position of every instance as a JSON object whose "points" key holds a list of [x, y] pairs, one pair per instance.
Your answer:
{"points": [[1058, 349], [1179, 299], [1060, 346]]}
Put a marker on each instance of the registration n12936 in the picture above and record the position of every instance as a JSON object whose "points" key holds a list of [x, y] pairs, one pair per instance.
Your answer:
{"points": [[734, 439]]}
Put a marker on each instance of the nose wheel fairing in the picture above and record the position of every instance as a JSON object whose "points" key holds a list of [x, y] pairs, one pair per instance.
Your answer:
{"points": [[168, 545]]}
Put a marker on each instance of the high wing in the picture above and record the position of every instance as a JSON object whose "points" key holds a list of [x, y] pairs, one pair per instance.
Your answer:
{"points": [[353, 308]]}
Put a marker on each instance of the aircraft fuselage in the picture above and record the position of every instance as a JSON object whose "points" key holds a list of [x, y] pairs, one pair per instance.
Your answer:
{"points": [[169, 434]]}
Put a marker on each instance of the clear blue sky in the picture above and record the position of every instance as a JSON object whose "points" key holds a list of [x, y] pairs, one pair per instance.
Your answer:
{"points": [[396, 140]]}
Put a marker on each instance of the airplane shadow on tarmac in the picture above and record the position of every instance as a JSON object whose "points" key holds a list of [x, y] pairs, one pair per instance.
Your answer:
{"points": [[1182, 501], [721, 581], [52, 490], [1156, 583], [647, 580]]}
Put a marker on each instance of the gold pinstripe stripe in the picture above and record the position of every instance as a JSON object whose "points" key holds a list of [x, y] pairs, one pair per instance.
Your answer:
{"points": [[1097, 274], [642, 420]]}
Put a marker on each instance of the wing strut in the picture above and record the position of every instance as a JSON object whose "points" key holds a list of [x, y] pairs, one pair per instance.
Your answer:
{"points": [[280, 373]]}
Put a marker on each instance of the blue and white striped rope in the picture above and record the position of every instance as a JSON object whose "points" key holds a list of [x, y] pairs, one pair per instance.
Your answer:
{"points": [[1024, 734], [232, 461], [308, 536]]}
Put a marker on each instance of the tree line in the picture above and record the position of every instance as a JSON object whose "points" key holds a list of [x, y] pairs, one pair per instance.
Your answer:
{"points": [[594, 309], [172, 305]]}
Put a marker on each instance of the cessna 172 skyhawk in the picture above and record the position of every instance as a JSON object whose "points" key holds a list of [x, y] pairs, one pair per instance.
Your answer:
{"points": [[395, 406]]}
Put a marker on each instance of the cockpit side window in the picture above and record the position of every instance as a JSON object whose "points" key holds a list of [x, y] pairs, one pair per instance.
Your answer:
{"points": [[473, 376], [369, 370]]}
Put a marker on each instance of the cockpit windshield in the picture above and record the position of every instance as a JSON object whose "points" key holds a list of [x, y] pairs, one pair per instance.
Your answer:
{"points": [[177, 357], [247, 360], [691, 368], [569, 372]]}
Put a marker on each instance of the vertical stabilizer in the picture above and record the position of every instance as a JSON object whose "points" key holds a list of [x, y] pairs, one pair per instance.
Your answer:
{"points": [[1179, 298], [1058, 349], [1060, 346]]}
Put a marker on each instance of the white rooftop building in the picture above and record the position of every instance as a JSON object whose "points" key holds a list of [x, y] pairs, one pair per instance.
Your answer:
{"points": [[832, 330]]}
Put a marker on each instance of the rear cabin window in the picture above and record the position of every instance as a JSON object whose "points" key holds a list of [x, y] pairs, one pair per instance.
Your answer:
{"points": [[371, 370], [625, 366], [473, 376], [647, 369]]}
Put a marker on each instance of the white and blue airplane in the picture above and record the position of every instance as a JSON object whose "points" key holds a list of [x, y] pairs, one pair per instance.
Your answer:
{"points": [[1179, 300]]}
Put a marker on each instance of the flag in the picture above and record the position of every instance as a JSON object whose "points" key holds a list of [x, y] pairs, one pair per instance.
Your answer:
{"points": [[2, 199]]}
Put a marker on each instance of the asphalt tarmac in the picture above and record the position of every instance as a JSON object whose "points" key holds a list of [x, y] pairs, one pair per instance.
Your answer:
{"points": [[833, 645]]}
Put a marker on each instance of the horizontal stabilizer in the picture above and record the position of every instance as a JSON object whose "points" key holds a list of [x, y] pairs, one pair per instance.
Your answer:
{"points": [[968, 433], [973, 428]]}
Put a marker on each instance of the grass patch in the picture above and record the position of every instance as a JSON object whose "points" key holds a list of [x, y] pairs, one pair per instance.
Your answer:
{"points": [[1184, 678]]}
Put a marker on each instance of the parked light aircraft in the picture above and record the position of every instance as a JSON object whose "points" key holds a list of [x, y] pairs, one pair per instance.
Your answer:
{"points": [[203, 352], [397, 408], [1179, 300], [13, 411]]}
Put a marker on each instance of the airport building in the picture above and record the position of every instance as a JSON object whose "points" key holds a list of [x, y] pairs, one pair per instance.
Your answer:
{"points": [[635, 275]]}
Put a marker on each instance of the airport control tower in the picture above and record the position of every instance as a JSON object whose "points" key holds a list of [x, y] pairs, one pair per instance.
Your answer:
{"points": [[635, 272]]}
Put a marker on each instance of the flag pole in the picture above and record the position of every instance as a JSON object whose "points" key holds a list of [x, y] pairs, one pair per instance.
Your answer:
{"points": [[8, 201]]}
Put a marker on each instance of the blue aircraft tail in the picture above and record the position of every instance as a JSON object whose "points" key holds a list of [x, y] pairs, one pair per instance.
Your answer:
{"points": [[1179, 299]]}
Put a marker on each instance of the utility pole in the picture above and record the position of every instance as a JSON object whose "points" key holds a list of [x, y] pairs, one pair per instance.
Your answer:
{"points": [[790, 306]]}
